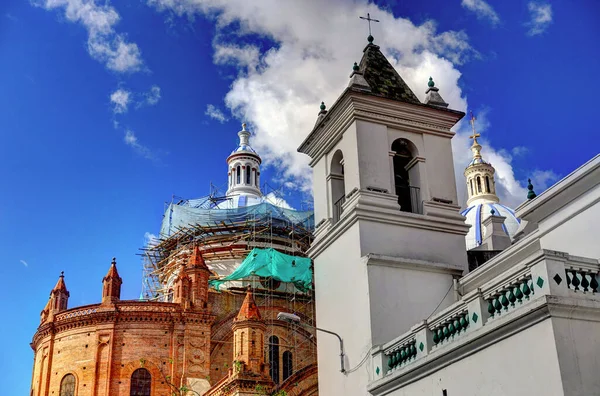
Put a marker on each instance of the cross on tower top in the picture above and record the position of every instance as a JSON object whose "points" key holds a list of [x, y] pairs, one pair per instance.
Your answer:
{"points": [[369, 19], [475, 135]]}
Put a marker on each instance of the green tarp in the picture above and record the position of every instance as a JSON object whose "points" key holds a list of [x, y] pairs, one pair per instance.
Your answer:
{"points": [[269, 263]]}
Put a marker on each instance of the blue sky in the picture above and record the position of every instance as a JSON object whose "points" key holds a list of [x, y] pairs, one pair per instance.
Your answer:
{"points": [[108, 109]]}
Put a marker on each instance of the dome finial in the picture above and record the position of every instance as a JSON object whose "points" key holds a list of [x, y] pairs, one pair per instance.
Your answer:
{"points": [[322, 107], [530, 194], [430, 84], [243, 126]]}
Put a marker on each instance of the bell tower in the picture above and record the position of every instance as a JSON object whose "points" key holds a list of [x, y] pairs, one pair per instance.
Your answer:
{"points": [[386, 213]]}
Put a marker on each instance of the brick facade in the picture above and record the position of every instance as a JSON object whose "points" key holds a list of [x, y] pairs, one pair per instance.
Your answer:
{"points": [[189, 342]]}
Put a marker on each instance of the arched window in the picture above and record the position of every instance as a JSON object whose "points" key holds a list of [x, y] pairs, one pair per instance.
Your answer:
{"points": [[247, 174], [238, 173], [338, 187], [253, 344], [140, 383], [288, 365], [408, 193], [256, 178], [274, 358], [241, 344], [471, 182], [478, 184], [67, 385], [487, 184]]}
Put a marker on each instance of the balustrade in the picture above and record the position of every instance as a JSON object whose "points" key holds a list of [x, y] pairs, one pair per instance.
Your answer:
{"points": [[508, 297], [401, 354], [581, 280], [451, 327]]}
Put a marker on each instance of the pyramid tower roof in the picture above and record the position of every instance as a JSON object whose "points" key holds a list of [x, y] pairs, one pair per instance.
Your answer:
{"points": [[249, 309]]}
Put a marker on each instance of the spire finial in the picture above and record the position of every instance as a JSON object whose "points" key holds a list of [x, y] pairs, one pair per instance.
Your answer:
{"points": [[355, 67], [62, 274], [322, 107], [476, 147], [492, 212], [530, 194], [114, 261], [244, 126], [430, 84], [369, 19]]}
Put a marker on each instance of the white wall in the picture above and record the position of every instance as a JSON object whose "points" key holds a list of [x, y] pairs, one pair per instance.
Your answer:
{"points": [[578, 346], [575, 227], [523, 365], [440, 168], [413, 242], [400, 298], [342, 301]]}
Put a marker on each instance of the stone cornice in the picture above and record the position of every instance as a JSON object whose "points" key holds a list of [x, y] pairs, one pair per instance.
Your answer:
{"points": [[353, 106], [544, 307], [368, 209], [121, 312], [579, 181], [411, 263]]}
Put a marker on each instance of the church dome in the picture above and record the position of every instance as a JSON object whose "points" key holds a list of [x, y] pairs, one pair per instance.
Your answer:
{"points": [[477, 213], [482, 200]]}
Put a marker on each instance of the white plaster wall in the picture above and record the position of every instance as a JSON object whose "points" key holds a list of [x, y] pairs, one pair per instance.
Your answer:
{"points": [[349, 147], [523, 365], [575, 227], [417, 243], [342, 306], [578, 346], [320, 190], [440, 167], [374, 159], [400, 298]]}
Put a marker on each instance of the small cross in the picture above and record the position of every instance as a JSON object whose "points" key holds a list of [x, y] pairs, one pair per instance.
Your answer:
{"points": [[368, 18], [475, 135]]}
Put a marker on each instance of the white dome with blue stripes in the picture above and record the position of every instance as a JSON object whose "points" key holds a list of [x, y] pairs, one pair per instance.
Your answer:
{"points": [[477, 213]]}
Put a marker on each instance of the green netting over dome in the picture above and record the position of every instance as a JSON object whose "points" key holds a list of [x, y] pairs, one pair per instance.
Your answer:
{"points": [[269, 263]]}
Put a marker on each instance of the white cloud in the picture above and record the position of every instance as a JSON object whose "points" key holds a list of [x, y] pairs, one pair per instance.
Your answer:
{"points": [[153, 96], [120, 99], [150, 239], [24, 263], [132, 141], [278, 90], [104, 43], [541, 17], [215, 113], [276, 200], [483, 10]]}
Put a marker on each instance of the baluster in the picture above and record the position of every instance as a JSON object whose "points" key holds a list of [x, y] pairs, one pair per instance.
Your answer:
{"points": [[440, 334], [584, 282], [594, 282], [402, 355], [491, 308], [532, 287], [451, 329], [436, 337], [504, 300], [575, 281], [446, 332], [497, 305], [391, 361], [413, 350], [526, 290], [511, 297], [568, 278], [518, 294], [457, 325], [463, 322]]}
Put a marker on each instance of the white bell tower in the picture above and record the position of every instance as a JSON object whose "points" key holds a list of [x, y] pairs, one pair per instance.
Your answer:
{"points": [[244, 168], [389, 239]]}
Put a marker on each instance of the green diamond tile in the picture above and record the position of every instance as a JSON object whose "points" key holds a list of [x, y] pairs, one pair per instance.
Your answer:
{"points": [[475, 317], [557, 279], [540, 282], [421, 346], [377, 370]]}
